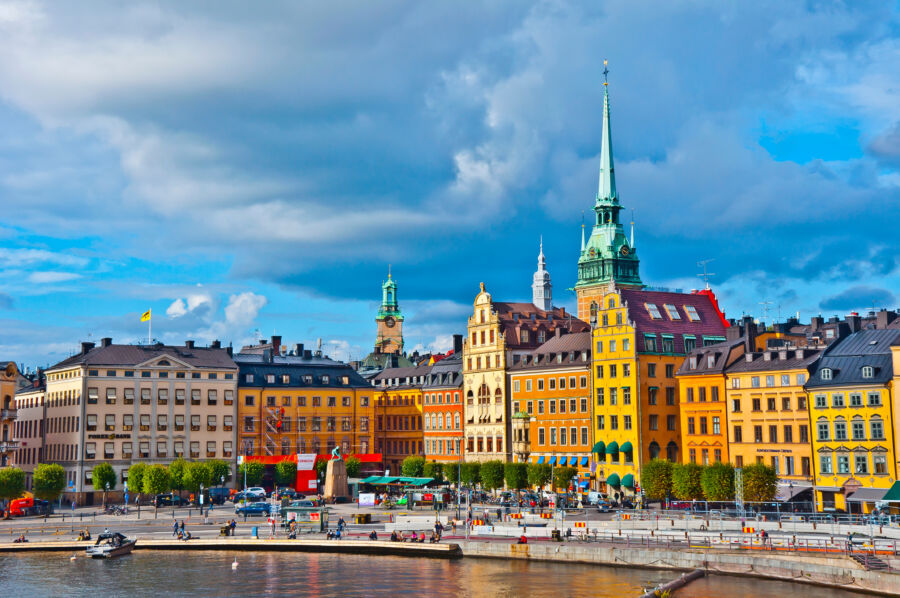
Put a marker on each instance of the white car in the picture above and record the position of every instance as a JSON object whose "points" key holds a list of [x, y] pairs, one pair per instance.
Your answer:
{"points": [[256, 491]]}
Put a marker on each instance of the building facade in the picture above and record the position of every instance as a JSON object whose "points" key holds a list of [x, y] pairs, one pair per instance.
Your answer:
{"points": [[11, 381], [399, 405], [442, 409], [851, 416]]}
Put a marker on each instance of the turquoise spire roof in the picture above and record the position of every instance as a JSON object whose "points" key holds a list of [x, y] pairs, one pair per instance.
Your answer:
{"points": [[389, 304], [607, 187]]}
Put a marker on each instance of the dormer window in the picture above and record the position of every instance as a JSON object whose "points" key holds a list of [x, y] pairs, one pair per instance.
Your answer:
{"points": [[868, 371], [693, 362], [826, 374], [653, 311], [710, 361], [691, 312], [672, 311]]}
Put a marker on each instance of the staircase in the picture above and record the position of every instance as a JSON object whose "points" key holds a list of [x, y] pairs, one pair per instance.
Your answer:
{"points": [[869, 561]]}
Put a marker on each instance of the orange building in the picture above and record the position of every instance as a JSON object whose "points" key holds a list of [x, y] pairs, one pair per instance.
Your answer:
{"points": [[443, 408], [399, 428]]}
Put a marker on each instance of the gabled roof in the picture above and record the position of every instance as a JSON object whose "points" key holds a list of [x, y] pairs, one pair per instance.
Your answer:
{"points": [[407, 377], [446, 373], [515, 317], [132, 355], [564, 351], [776, 360], [710, 324], [724, 354], [847, 358], [297, 367]]}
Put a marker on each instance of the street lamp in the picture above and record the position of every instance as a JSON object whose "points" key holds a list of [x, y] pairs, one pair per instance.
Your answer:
{"points": [[104, 494], [201, 499]]}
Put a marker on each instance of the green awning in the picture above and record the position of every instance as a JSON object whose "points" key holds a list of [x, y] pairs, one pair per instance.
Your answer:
{"points": [[626, 447], [613, 480], [612, 448], [628, 481], [371, 479], [415, 481], [893, 495], [599, 447]]}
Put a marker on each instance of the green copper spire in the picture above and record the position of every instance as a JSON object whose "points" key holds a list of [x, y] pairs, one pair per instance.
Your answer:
{"points": [[389, 304], [607, 187]]}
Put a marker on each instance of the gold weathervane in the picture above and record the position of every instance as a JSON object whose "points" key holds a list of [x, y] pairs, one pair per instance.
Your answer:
{"points": [[605, 72]]}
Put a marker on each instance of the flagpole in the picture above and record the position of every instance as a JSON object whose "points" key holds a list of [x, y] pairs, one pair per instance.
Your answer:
{"points": [[150, 329]]}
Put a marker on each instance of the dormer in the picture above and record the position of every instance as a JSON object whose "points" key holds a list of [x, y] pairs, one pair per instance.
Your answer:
{"points": [[868, 371], [826, 374]]}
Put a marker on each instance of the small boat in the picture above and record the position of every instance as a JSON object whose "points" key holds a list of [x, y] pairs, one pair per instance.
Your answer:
{"points": [[110, 544]]}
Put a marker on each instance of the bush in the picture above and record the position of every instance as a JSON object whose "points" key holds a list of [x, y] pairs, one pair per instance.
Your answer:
{"points": [[218, 469], [156, 480], [136, 477], [412, 466], [286, 473], [353, 465], [492, 475], [12, 483], [176, 473], [656, 479], [686, 481], [255, 472], [196, 474], [103, 477], [562, 477], [49, 481], [433, 470], [717, 482], [760, 481], [321, 467], [538, 474], [516, 475], [470, 473]]}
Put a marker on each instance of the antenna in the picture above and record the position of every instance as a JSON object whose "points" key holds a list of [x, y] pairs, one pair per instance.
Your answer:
{"points": [[765, 305], [706, 274]]}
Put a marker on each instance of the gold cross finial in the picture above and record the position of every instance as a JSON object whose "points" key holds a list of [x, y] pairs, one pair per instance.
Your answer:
{"points": [[605, 72], [389, 271]]}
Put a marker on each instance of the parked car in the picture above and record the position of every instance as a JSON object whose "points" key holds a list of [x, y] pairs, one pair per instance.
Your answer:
{"points": [[309, 504], [252, 508], [218, 496], [168, 500], [286, 492], [603, 506], [256, 491]]}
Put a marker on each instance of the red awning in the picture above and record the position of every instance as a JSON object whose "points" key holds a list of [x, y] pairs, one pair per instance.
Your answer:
{"points": [[275, 459]]}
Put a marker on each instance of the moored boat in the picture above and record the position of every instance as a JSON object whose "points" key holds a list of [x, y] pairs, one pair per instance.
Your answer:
{"points": [[110, 544]]}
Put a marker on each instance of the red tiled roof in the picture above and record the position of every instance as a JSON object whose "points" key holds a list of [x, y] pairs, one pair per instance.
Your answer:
{"points": [[711, 322], [548, 321]]}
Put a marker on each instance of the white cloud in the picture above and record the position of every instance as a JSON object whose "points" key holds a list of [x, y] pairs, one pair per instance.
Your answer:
{"points": [[243, 308], [49, 277]]}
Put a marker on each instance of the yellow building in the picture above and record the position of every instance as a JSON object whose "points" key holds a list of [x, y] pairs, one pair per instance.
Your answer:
{"points": [[11, 380], [851, 415], [399, 432], [768, 413], [640, 339]]}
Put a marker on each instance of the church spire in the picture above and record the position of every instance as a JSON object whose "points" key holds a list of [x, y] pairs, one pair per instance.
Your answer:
{"points": [[541, 289], [607, 186]]}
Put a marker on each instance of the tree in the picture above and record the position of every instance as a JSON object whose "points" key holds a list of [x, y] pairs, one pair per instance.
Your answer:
{"points": [[492, 475], [759, 482], [516, 475], [156, 480], [656, 479], [12, 483], [717, 481], [470, 473], [353, 466], [176, 473], [433, 470], [538, 474], [412, 466], [196, 474], [686, 481], [451, 473], [103, 478], [286, 473], [136, 477], [255, 472], [218, 469], [49, 481], [321, 467], [562, 477]]}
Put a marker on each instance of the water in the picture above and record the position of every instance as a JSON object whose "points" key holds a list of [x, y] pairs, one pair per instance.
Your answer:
{"points": [[158, 573]]}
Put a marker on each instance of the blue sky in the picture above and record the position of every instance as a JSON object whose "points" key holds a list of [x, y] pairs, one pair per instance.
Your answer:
{"points": [[241, 168]]}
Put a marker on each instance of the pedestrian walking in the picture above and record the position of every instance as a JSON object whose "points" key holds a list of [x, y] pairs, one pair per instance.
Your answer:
{"points": [[182, 526], [175, 528], [341, 524]]}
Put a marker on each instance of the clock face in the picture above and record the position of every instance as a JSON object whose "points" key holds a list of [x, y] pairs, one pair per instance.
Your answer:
{"points": [[389, 321], [624, 250]]}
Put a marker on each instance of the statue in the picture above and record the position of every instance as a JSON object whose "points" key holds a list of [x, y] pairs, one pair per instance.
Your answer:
{"points": [[336, 454]]}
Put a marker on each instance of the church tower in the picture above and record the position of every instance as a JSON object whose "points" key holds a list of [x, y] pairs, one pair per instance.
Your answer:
{"points": [[541, 289], [389, 320], [607, 258]]}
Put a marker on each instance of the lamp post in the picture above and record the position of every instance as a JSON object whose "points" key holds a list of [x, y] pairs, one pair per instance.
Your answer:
{"points": [[106, 489]]}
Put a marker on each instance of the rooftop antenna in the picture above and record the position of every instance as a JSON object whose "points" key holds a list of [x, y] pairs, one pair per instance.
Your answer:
{"points": [[632, 228], [765, 305], [706, 274]]}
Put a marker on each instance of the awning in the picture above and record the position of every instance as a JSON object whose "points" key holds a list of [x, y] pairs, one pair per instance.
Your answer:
{"points": [[626, 447], [786, 493], [867, 495], [540, 459], [613, 480], [583, 484], [370, 479], [628, 481], [599, 448], [552, 460], [612, 448], [893, 495], [415, 481], [573, 460], [584, 461]]}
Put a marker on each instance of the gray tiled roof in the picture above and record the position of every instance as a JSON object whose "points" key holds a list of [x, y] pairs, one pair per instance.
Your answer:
{"points": [[570, 346], [759, 362], [724, 355], [295, 366], [847, 359], [131, 355]]}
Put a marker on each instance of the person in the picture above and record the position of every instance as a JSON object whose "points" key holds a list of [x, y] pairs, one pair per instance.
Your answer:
{"points": [[329, 535], [373, 535], [182, 526], [434, 537], [337, 535], [522, 539], [850, 542], [421, 537], [341, 523], [438, 529], [764, 536], [175, 528], [393, 536]]}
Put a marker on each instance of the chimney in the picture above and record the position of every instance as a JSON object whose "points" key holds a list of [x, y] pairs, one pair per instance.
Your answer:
{"points": [[189, 344], [276, 343], [816, 322], [558, 332], [307, 354], [457, 344], [216, 344], [298, 349], [106, 341], [85, 347], [855, 322], [230, 350], [749, 334], [883, 318]]}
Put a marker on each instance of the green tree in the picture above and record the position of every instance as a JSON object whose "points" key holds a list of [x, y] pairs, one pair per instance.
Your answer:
{"points": [[451, 473], [12, 483], [103, 478], [760, 481], [686, 481], [434, 470], [136, 477], [196, 474], [218, 469], [49, 481], [717, 481], [515, 475], [562, 477], [156, 480], [353, 466], [471, 473], [656, 479], [286, 473], [255, 472], [412, 466], [492, 475], [176, 473], [538, 474]]}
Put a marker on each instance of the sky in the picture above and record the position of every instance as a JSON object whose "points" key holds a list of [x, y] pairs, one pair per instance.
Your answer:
{"points": [[249, 169]]}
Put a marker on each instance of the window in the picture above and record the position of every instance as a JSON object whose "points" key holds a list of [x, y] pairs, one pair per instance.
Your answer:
{"points": [[690, 425], [600, 422], [757, 434], [821, 401], [162, 423], [541, 436], [691, 312], [195, 450], [716, 427], [626, 420], [613, 422], [785, 403], [804, 433], [600, 397], [93, 393], [90, 450], [703, 427], [210, 423], [144, 450], [127, 422], [515, 386], [876, 427], [843, 464], [785, 380], [801, 380], [668, 344], [91, 424], [788, 433], [653, 311], [801, 403], [874, 399], [195, 423], [651, 370], [670, 395], [756, 405], [754, 381], [840, 430], [770, 380], [110, 423], [613, 396], [651, 396], [212, 397], [128, 396], [126, 450], [654, 422], [862, 464], [227, 422], [738, 434], [735, 383], [626, 395], [879, 464], [552, 383], [868, 371], [825, 374], [552, 405], [111, 395], [770, 404], [858, 429], [195, 397], [650, 343], [161, 448], [672, 311], [825, 464], [670, 422], [823, 431], [211, 448]]}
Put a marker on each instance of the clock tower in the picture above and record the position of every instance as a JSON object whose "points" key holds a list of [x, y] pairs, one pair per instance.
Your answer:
{"points": [[389, 320]]}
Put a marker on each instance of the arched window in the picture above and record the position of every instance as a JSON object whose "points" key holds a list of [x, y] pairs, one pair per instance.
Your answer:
{"points": [[484, 395], [672, 452], [654, 450], [498, 396], [449, 422], [456, 421], [470, 398]]}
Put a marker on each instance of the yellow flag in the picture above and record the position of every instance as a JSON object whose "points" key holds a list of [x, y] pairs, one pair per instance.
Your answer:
{"points": [[145, 316]]}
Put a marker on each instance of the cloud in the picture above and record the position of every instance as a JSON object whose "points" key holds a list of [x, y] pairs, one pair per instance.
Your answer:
{"points": [[860, 298], [47, 277]]}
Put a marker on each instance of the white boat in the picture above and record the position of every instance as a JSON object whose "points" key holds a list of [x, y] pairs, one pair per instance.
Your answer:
{"points": [[110, 544]]}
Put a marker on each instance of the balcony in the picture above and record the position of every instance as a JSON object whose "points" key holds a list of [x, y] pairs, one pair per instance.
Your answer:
{"points": [[7, 414]]}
